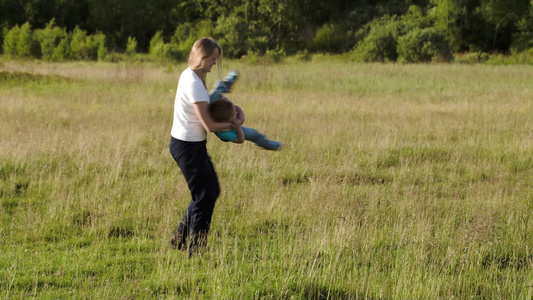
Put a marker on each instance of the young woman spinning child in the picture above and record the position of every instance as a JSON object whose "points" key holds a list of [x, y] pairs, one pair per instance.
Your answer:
{"points": [[192, 121]]}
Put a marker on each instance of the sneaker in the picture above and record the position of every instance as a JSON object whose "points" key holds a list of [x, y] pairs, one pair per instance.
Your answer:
{"points": [[273, 145], [178, 241], [223, 86]]}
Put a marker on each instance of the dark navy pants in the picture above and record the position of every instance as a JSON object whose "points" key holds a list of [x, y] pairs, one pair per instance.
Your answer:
{"points": [[199, 172]]}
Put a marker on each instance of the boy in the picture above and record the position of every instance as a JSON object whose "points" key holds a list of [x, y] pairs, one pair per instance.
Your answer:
{"points": [[222, 110], [250, 134]]}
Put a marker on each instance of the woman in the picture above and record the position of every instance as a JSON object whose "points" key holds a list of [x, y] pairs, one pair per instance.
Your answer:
{"points": [[191, 123]]}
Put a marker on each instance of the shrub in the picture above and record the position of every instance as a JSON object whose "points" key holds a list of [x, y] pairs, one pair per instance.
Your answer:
{"points": [[62, 51], [380, 43], [422, 45], [131, 47], [471, 57], [11, 40], [184, 38], [98, 45], [275, 55], [233, 32], [26, 45], [160, 49], [303, 56], [259, 39], [79, 45], [49, 38], [157, 45], [522, 58], [329, 38], [522, 39]]}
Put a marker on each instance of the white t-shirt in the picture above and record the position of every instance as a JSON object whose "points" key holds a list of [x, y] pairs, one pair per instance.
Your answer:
{"points": [[186, 125]]}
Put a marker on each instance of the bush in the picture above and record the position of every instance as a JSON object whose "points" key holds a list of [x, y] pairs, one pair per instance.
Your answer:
{"points": [[161, 50], [184, 38], [259, 39], [79, 46], [26, 46], [422, 45], [98, 45], [131, 47], [49, 38], [275, 55], [380, 43], [522, 58], [156, 45], [522, 39], [330, 38], [471, 57], [62, 51], [11, 40], [303, 56], [233, 32]]}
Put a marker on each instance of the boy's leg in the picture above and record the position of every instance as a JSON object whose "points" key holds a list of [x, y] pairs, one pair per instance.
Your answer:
{"points": [[223, 86], [260, 139]]}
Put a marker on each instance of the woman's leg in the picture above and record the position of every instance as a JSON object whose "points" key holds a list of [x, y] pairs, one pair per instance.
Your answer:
{"points": [[199, 172]]}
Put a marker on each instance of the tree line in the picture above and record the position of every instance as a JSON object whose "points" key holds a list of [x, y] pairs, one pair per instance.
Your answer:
{"points": [[379, 30]]}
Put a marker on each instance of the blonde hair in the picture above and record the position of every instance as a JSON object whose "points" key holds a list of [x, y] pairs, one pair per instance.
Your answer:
{"points": [[201, 49]]}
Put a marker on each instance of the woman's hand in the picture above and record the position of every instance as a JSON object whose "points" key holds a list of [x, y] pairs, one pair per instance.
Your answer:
{"points": [[237, 125], [240, 114], [202, 111]]}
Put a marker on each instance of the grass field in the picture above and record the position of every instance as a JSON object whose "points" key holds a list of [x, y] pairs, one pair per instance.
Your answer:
{"points": [[395, 182]]}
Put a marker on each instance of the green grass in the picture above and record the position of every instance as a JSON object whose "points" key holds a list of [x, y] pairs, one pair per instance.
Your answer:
{"points": [[395, 182]]}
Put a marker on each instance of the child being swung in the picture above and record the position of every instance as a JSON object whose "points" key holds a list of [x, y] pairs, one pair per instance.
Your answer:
{"points": [[222, 110], [250, 134]]}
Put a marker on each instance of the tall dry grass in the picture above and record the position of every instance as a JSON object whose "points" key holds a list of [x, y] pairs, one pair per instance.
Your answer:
{"points": [[395, 181]]}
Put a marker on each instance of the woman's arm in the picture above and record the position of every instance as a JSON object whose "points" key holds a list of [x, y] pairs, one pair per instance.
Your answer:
{"points": [[240, 113], [202, 111], [240, 134]]}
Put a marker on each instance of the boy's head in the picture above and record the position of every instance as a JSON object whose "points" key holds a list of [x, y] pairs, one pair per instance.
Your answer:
{"points": [[222, 110]]}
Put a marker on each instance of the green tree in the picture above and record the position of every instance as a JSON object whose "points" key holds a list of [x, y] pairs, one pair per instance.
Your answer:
{"points": [[99, 41], [62, 51], [82, 45], [131, 47], [157, 45], [523, 38], [422, 45], [380, 43], [503, 13], [329, 38], [232, 32], [49, 38], [11, 40], [447, 15], [284, 19], [26, 45]]}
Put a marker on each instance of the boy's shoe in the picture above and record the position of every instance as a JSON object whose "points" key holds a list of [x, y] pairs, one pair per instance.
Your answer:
{"points": [[273, 145], [231, 77], [223, 86]]}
